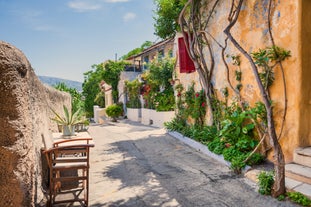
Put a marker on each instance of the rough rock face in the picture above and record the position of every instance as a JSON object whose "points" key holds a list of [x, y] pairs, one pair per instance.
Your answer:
{"points": [[24, 118]]}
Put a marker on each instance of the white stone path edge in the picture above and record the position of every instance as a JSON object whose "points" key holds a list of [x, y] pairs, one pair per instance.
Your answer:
{"points": [[202, 148], [291, 184]]}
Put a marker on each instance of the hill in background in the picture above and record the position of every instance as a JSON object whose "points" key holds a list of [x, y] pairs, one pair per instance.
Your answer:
{"points": [[52, 81]]}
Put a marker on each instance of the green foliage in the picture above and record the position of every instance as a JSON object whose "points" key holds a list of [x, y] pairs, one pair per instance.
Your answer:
{"points": [[111, 75], [161, 71], [114, 111], [236, 130], [166, 17], [281, 197], [237, 163], [266, 180], [100, 99], [266, 60], [236, 59], [234, 137], [76, 97], [238, 75], [217, 146], [203, 134], [91, 88], [176, 124], [195, 105], [133, 88], [256, 158], [165, 101], [68, 118], [157, 91], [299, 198], [138, 50]]}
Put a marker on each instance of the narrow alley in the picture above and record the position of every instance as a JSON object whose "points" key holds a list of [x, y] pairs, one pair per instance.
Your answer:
{"points": [[135, 165]]}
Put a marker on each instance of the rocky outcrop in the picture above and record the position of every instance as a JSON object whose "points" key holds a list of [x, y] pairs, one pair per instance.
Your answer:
{"points": [[24, 117]]}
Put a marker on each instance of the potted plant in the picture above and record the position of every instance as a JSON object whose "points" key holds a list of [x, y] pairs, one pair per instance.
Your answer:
{"points": [[114, 111], [68, 121]]}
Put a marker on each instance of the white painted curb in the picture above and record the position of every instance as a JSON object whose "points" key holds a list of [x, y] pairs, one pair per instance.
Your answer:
{"points": [[202, 148]]}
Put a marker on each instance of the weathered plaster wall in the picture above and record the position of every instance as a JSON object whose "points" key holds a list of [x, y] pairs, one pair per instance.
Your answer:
{"points": [[24, 118], [251, 31]]}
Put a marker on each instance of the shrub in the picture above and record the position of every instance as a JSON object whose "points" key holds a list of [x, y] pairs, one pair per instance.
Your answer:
{"points": [[256, 158], [165, 100], [299, 198], [266, 180], [114, 111], [217, 146], [237, 163], [176, 125]]}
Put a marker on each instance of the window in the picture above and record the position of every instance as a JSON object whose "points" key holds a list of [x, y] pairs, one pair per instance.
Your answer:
{"points": [[146, 61], [170, 53], [160, 54], [185, 63]]}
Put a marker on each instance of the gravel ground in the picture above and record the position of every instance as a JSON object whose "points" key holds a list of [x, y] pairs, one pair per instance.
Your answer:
{"points": [[135, 165]]}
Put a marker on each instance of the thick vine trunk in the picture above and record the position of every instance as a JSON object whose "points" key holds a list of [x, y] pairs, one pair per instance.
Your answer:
{"points": [[279, 163]]}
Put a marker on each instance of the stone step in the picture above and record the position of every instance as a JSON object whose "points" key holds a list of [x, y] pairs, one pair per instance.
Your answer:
{"points": [[294, 185], [298, 172], [302, 156]]}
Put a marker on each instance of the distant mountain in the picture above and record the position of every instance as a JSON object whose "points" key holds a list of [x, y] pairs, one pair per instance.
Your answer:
{"points": [[51, 81]]}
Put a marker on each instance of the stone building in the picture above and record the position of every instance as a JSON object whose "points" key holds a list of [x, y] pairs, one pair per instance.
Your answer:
{"points": [[290, 30]]}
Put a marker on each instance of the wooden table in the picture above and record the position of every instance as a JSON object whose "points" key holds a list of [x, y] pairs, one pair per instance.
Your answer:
{"points": [[78, 139]]}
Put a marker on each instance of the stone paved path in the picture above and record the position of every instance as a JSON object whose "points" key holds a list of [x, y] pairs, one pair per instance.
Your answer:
{"points": [[136, 166]]}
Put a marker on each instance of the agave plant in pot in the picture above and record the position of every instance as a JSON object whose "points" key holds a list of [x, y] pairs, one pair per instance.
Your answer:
{"points": [[68, 121]]}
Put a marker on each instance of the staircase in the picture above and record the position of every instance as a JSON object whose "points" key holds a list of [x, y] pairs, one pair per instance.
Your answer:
{"points": [[298, 173]]}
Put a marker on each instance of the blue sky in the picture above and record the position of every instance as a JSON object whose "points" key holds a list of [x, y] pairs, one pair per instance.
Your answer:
{"points": [[64, 38]]}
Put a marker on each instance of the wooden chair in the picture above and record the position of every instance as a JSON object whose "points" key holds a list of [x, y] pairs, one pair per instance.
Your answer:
{"points": [[68, 163]]}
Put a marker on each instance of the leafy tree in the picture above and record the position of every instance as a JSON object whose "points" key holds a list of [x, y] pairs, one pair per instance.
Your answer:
{"points": [[137, 50], [166, 17], [146, 44], [100, 99], [91, 88], [110, 73], [76, 97]]}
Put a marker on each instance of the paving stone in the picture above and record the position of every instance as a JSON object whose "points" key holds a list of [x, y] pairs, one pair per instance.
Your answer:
{"points": [[302, 156], [304, 189], [297, 169], [304, 151], [291, 183]]}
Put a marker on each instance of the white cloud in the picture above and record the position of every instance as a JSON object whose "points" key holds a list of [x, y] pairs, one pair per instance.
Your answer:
{"points": [[129, 16], [116, 1], [82, 6]]}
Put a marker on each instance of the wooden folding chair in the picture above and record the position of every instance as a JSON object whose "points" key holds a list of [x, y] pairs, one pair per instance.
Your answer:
{"points": [[68, 163]]}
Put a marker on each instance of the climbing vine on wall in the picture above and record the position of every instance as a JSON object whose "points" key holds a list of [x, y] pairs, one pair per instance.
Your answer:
{"points": [[195, 21]]}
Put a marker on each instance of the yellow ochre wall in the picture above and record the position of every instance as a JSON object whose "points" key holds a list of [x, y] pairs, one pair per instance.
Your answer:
{"points": [[291, 31]]}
